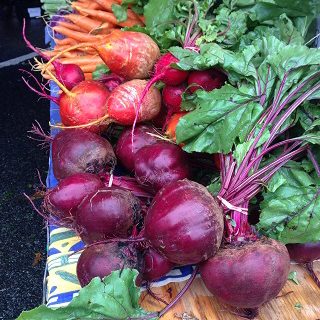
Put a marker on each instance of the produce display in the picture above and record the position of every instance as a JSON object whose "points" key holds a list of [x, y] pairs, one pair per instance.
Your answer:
{"points": [[189, 135]]}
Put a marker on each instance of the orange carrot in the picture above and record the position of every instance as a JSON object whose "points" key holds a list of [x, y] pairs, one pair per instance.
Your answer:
{"points": [[65, 41], [88, 5], [88, 76], [106, 4], [108, 17], [71, 26], [88, 68], [76, 35], [90, 25], [83, 61]]}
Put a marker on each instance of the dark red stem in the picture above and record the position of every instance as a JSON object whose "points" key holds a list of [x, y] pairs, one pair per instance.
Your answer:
{"points": [[310, 269]]}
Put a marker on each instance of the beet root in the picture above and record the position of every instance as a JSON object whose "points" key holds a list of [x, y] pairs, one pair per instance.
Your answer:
{"points": [[154, 265], [126, 151], [247, 275], [304, 252], [107, 213], [63, 200], [77, 151], [101, 259], [160, 163], [184, 223]]}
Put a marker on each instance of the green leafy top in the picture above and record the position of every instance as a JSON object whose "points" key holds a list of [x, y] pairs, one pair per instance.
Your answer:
{"points": [[113, 298], [290, 211]]}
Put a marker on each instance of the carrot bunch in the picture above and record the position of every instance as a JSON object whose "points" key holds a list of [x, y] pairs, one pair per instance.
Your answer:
{"points": [[90, 22]]}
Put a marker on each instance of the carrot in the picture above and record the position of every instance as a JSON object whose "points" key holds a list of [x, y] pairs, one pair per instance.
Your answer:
{"points": [[88, 68], [83, 61], [108, 17], [88, 24], [76, 35], [87, 5], [106, 4], [88, 76], [65, 41], [71, 26]]}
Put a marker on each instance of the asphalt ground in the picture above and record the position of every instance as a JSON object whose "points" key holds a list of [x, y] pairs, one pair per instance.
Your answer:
{"points": [[22, 231]]}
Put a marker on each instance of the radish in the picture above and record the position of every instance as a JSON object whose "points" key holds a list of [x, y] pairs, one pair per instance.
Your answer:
{"points": [[184, 223], [78, 151], [101, 259], [154, 265], [206, 80], [106, 213], [246, 275], [126, 151], [160, 163], [306, 253], [68, 74], [63, 200], [172, 97]]}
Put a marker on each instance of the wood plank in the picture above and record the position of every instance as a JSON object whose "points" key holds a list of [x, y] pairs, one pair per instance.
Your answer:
{"points": [[203, 306]]}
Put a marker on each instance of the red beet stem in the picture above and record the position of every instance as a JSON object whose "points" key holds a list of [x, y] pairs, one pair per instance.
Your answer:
{"points": [[312, 273]]}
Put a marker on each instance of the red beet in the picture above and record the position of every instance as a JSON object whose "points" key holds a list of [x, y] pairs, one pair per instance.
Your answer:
{"points": [[101, 259], [78, 150], [84, 104], [247, 275], [107, 213], [206, 80], [172, 97], [126, 151], [63, 200], [160, 163], [184, 223], [304, 252], [155, 265]]}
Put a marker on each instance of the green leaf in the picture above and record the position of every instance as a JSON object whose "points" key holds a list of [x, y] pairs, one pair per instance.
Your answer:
{"points": [[120, 12], [114, 297], [293, 277], [290, 211], [298, 306], [101, 69], [222, 116]]}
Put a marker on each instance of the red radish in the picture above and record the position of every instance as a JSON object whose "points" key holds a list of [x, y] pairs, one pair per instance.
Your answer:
{"points": [[126, 151], [123, 103], [306, 253], [85, 103], [101, 259], [184, 223], [206, 80], [172, 125], [166, 73], [106, 213], [248, 274], [155, 265], [63, 200], [162, 71], [172, 97], [68, 74], [160, 163], [75, 151]]}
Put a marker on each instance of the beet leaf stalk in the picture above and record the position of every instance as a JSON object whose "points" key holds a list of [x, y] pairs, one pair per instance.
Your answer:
{"points": [[244, 180]]}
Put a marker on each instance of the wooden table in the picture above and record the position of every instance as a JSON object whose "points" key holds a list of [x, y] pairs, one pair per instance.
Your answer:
{"points": [[294, 302]]}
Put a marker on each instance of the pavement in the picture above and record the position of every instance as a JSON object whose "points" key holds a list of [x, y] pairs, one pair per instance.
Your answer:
{"points": [[22, 231]]}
